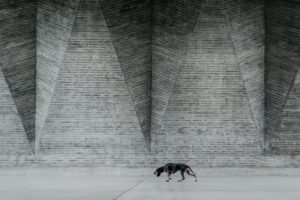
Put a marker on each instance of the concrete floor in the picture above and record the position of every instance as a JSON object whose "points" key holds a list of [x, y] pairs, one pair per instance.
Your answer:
{"points": [[148, 188]]}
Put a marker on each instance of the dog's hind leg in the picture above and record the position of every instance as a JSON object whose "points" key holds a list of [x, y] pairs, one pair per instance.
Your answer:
{"points": [[189, 173], [182, 175]]}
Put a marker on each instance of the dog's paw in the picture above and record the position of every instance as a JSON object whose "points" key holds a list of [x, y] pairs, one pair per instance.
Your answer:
{"points": [[167, 180]]}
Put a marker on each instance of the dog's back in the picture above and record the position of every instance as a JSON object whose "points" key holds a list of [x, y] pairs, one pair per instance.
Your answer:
{"points": [[175, 167]]}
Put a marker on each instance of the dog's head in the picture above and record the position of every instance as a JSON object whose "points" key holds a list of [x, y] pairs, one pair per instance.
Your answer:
{"points": [[158, 171]]}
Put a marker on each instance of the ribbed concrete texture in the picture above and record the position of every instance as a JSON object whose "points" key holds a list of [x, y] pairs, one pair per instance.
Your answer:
{"points": [[172, 24], [209, 114], [129, 23], [282, 66], [283, 45], [91, 113], [288, 141], [246, 27], [214, 83], [54, 24], [13, 139], [17, 58]]}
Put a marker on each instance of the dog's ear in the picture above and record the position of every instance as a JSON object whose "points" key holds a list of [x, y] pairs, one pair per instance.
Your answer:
{"points": [[165, 168], [162, 169]]}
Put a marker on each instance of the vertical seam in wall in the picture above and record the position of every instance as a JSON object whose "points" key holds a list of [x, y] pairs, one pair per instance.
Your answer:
{"points": [[151, 61], [267, 141], [55, 84], [35, 117], [35, 77], [238, 64]]}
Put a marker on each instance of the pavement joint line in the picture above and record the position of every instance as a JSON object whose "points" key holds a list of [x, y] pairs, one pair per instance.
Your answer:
{"points": [[129, 189]]}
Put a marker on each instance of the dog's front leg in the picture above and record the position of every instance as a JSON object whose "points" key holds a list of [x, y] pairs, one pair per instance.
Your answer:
{"points": [[169, 177], [182, 175]]}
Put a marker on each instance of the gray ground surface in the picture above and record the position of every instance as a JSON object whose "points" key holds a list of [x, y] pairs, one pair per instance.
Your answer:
{"points": [[96, 187]]}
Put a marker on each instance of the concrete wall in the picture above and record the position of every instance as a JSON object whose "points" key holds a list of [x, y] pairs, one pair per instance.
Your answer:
{"points": [[209, 114], [138, 83], [54, 24], [17, 58], [172, 24], [246, 28], [13, 139], [282, 75], [91, 112], [129, 23]]}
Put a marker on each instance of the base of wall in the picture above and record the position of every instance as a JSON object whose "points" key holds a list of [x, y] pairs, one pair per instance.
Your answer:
{"points": [[208, 161], [114, 171]]}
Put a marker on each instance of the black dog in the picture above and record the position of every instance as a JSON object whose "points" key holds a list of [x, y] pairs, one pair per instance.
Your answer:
{"points": [[172, 168]]}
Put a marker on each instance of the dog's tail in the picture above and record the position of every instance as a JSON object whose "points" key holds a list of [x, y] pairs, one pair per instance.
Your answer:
{"points": [[191, 169]]}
